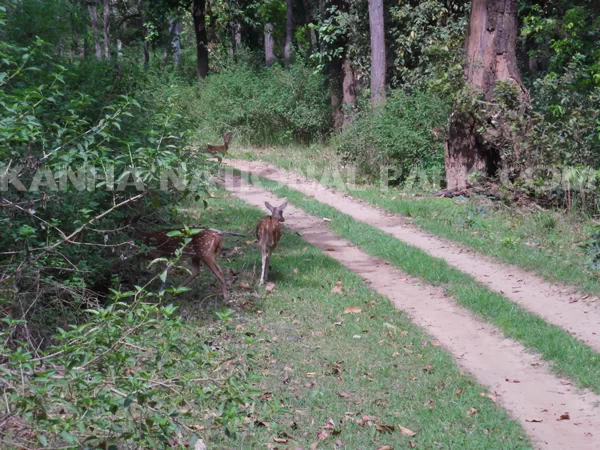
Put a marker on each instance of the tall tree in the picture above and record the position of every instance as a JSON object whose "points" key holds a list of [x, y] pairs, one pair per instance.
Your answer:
{"points": [[307, 22], [289, 33], [106, 23], [269, 45], [93, 8], [199, 16], [490, 58], [140, 6], [378, 63]]}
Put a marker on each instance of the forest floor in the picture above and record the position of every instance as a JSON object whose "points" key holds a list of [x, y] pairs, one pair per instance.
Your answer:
{"points": [[530, 341]]}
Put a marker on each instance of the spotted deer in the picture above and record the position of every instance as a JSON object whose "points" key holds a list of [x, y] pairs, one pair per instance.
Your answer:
{"points": [[204, 246], [220, 150], [268, 233]]}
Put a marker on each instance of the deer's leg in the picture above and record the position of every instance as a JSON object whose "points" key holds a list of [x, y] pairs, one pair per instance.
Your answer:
{"points": [[214, 267], [195, 271], [263, 273]]}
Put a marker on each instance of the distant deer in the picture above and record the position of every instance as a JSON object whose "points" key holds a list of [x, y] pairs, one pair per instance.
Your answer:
{"points": [[220, 150], [204, 247], [268, 233]]}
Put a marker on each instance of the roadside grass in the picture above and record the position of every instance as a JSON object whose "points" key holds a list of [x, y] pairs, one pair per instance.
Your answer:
{"points": [[339, 380], [566, 355], [543, 241]]}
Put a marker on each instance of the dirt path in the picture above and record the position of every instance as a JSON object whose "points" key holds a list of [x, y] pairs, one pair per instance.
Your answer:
{"points": [[553, 302], [478, 347]]}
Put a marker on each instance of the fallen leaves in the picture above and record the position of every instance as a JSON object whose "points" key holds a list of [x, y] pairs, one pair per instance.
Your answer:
{"points": [[406, 431], [280, 440], [490, 396], [338, 288], [344, 394], [472, 412], [325, 219], [565, 416], [512, 381], [352, 310], [269, 286], [533, 419], [385, 428]]}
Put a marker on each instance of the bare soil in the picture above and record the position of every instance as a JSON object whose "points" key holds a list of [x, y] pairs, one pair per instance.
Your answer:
{"points": [[557, 304], [522, 384]]}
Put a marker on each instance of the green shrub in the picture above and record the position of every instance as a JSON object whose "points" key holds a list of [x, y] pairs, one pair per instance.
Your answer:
{"points": [[400, 136], [265, 106]]}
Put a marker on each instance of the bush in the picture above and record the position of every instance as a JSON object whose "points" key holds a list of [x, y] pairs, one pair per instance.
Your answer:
{"points": [[266, 106], [399, 136]]}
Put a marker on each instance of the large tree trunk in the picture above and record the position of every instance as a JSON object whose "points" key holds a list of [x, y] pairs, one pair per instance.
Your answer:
{"points": [[140, 6], [378, 63], [93, 8], [269, 44], [199, 15], [106, 23], [490, 57], [289, 33]]}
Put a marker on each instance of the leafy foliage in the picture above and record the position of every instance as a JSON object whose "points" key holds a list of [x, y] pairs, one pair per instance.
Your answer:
{"points": [[400, 136], [134, 376], [266, 106]]}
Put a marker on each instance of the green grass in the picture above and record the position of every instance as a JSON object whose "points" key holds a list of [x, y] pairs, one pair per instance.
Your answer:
{"points": [[306, 352], [542, 241], [566, 355]]}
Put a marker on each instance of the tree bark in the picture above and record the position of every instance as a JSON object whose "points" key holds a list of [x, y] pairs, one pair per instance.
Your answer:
{"points": [[490, 57], [140, 6], [378, 62], [348, 90], [175, 32], [289, 33], [307, 22], [106, 23], [93, 8], [236, 37], [199, 16], [269, 44]]}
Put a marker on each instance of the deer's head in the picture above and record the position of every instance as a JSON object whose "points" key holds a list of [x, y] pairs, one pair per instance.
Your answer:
{"points": [[277, 211]]}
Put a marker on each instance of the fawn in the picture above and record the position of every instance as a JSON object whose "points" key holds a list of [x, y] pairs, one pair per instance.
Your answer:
{"points": [[268, 233], [204, 247], [220, 150]]}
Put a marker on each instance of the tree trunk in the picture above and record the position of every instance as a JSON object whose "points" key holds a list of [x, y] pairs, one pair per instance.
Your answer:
{"points": [[289, 33], [175, 33], [307, 21], [93, 7], [490, 57], [269, 44], [348, 91], [236, 36], [335, 72], [106, 23], [199, 15], [378, 64], [140, 6]]}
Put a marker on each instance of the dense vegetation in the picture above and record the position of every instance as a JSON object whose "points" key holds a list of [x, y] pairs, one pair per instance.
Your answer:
{"points": [[99, 100]]}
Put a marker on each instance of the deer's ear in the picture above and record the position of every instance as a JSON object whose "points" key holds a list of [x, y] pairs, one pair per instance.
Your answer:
{"points": [[269, 207], [282, 206]]}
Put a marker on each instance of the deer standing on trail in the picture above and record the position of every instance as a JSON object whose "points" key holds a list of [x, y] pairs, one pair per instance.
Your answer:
{"points": [[204, 246], [220, 150], [268, 233]]}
